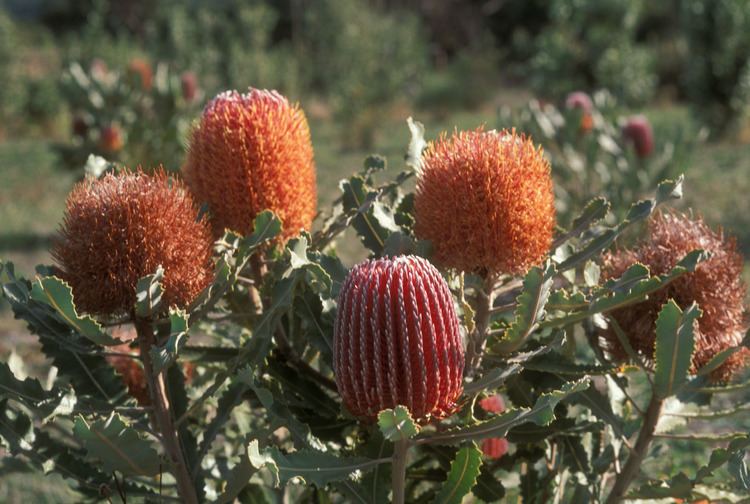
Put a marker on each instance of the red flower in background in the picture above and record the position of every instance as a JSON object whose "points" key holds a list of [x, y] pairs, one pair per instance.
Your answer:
{"points": [[140, 70], [494, 448], [638, 132], [396, 340], [189, 86], [111, 139]]}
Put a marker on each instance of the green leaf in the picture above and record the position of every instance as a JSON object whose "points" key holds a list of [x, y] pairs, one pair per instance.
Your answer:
{"points": [[165, 355], [531, 302], [594, 211], [541, 413], [738, 468], [31, 393], [117, 446], [315, 467], [374, 163], [148, 294], [674, 347], [397, 424], [462, 476], [56, 293], [721, 357], [600, 406]]}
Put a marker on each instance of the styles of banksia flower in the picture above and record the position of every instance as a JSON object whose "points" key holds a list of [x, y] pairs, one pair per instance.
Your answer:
{"points": [[638, 132], [252, 152], [122, 227], [716, 285], [396, 340], [485, 200]]}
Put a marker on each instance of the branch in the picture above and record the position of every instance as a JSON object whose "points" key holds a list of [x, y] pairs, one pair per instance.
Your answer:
{"points": [[163, 415]]}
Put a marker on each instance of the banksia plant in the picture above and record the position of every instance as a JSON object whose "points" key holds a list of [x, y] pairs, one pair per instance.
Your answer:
{"points": [[121, 228], [251, 152], [716, 286], [396, 340], [485, 201], [637, 131]]}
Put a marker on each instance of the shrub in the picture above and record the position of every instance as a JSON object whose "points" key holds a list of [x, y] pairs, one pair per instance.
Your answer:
{"points": [[282, 372]]}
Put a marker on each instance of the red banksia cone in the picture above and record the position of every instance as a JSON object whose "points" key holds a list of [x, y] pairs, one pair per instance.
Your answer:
{"points": [[397, 341], [485, 201], [252, 152], [119, 229], [716, 286], [637, 131]]}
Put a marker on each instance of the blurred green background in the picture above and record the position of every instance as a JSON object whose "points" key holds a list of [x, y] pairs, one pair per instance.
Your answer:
{"points": [[359, 68]]}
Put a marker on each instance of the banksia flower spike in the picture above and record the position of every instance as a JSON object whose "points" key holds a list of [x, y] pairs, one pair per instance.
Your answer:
{"points": [[111, 139], [252, 152], [716, 286], [397, 341], [494, 448], [637, 131], [485, 200], [493, 404], [122, 227]]}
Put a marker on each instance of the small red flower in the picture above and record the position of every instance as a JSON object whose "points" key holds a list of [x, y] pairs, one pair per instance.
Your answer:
{"points": [[637, 131], [111, 139], [189, 85], [396, 340], [494, 448], [579, 100], [493, 404]]}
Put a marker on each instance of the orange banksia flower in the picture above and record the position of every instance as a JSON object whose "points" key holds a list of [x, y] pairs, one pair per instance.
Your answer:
{"points": [[140, 70], [485, 200], [119, 229], [396, 340], [716, 286], [252, 152]]}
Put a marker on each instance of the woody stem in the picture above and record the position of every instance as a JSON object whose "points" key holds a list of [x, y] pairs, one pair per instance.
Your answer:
{"points": [[163, 415], [398, 470], [483, 301]]}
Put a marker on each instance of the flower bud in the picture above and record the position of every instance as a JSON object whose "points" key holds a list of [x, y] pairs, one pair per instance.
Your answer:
{"points": [[637, 131], [397, 341]]}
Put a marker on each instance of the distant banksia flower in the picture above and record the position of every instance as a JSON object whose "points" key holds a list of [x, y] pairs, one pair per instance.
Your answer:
{"points": [[189, 86], [396, 340], [140, 69], [494, 448], [252, 152], [119, 229], [579, 100], [493, 404], [716, 286], [485, 200], [637, 131], [111, 138]]}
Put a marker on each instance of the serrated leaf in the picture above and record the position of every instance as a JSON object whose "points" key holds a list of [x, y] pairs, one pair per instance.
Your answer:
{"points": [[372, 220], [56, 293], [541, 413], [397, 424], [30, 392], [318, 468], [738, 468], [536, 291], [373, 163], [674, 347], [462, 475], [165, 355], [149, 293], [117, 446], [600, 407]]}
